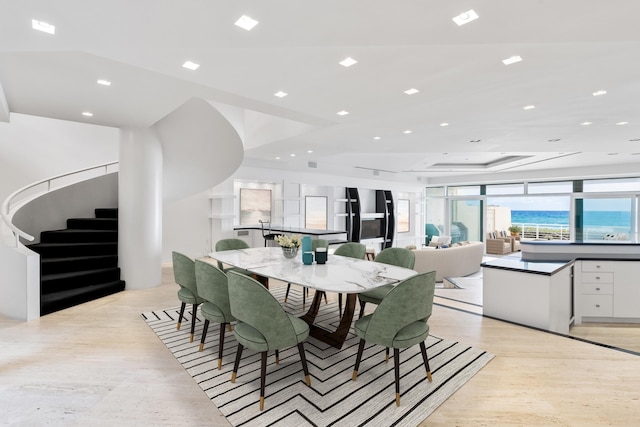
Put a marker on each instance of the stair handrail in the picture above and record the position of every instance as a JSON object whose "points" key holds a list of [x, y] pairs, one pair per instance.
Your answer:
{"points": [[6, 205]]}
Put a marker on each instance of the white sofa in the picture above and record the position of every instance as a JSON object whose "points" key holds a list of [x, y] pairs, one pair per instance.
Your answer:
{"points": [[454, 261]]}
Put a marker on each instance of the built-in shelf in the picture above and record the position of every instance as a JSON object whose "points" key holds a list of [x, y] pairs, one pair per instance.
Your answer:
{"points": [[371, 215], [222, 216]]}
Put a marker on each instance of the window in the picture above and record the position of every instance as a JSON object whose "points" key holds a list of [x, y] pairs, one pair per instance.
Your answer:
{"points": [[467, 190], [403, 216], [611, 185], [504, 189], [315, 212], [550, 187]]}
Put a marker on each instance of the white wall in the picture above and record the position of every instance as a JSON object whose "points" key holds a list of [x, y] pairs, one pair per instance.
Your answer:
{"points": [[187, 228], [35, 148]]}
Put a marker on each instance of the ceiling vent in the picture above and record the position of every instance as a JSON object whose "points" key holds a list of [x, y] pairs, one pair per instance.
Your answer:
{"points": [[313, 165]]}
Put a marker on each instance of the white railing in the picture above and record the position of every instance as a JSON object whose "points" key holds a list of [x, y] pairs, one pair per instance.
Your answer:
{"points": [[31, 190]]}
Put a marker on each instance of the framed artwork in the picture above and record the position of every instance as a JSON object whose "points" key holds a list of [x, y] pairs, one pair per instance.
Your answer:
{"points": [[315, 212], [403, 216], [255, 206]]}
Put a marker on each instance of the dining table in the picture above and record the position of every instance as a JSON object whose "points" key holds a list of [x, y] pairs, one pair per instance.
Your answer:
{"points": [[339, 274]]}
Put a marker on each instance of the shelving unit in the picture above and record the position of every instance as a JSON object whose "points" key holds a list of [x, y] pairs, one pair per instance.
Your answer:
{"points": [[386, 210], [353, 214]]}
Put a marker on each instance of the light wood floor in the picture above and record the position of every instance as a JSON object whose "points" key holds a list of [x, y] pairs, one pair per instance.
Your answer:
{"points": [[99, 364]]}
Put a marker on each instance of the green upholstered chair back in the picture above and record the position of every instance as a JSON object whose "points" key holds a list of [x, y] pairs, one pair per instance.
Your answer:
{"points": [[184, 272], [352, 250], [212, 286], [229, 245], [400, 257], [253, 304], [319, 243], [409, 301]]}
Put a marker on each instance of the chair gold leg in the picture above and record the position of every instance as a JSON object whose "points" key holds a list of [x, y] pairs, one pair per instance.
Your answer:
{"points": [[229, 327], [429, 376], [262, 403], [201, 346], [233, 377], [190, 337], [397, 399], [179, 324], [355, 375], [308, 379], [219, 364]]}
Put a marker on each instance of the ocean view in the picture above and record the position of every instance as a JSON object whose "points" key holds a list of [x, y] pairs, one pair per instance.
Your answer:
{"points": [[591, 218]]}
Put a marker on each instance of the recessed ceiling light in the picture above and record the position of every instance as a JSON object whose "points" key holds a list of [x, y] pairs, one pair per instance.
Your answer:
{"points": [[104, 82], [586, 123], [444, 124], [622, 123], [292, 155], [280, 94], [599, 93], [246, 22], [342, 113], [278, 158], [466, 17], [475, 140], [407, 131], [529, 107], [511, 60], [612, 154], [309, 151], [376, 137], [87, 114], [43, 26], [411, 91], [554, 140], [190, 65], [348, 62]]}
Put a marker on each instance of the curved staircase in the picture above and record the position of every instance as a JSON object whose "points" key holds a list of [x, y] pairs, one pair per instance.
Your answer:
{"points": [[80, 263]]}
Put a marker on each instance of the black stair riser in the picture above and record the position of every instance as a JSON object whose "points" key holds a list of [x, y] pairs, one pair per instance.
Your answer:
{"points": [[93, 223], [79, 236], [61, 250], [65, 299], [106, 213], [56, 283], [67, 265]]}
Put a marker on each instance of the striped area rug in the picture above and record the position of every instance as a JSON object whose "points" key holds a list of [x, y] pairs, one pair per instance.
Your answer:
{"points": [[333, 398]]}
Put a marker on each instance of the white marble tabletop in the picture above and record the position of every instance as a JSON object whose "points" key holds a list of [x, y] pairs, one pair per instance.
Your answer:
{"points": [[339, 274]]}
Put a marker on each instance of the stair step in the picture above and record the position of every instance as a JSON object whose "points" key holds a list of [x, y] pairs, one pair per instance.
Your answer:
{"points": [[106, 213], [63, 250], [78, 236], [70, 264], [68, 298], [63, 281], [93, 223]]}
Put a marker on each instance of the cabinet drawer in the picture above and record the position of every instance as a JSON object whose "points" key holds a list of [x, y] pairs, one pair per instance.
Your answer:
{"points": [[597, 278], [597, 289], [597, 305], [598, 265]]}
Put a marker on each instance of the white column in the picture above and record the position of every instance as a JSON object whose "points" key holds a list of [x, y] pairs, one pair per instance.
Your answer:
{"points": [[140, 209]]}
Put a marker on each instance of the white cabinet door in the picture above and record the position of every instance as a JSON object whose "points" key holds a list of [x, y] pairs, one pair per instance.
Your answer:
{"points": [[626, 292]]}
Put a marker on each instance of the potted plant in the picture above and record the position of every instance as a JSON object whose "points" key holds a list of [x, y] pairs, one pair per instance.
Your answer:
{"points": [[515, 230]]}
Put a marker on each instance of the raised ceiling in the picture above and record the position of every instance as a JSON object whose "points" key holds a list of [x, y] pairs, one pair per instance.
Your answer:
{"points": [[569, 49]]}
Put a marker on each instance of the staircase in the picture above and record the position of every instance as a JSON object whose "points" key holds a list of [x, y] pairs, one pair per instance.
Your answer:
{"points": [[80, 263]]}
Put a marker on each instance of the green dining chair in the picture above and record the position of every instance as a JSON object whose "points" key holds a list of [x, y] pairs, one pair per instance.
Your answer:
{"points": [[214, 290], [351, 250], [400, 321], [263, 325], [184, 273], [229, 245], [315, 244], [399, 257]]}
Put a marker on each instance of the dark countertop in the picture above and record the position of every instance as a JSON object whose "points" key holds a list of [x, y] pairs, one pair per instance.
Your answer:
{"points": [[281, 229]]}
